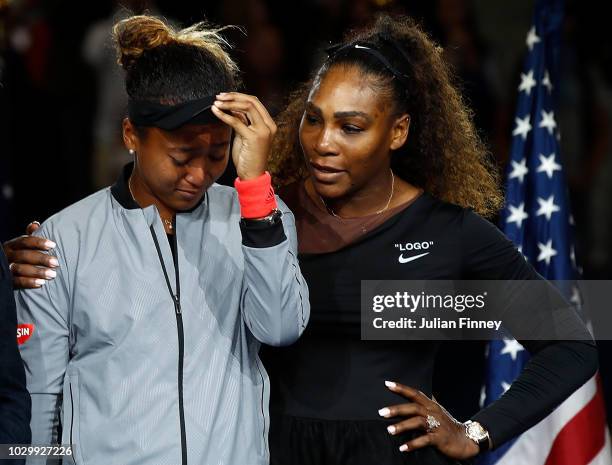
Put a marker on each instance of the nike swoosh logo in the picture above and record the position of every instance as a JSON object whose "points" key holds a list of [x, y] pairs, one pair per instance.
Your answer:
{"points": [[409, 259], [359, 46]]}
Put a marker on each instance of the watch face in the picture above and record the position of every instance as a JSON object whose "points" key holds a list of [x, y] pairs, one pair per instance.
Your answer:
{"points": [[476, 431], [274, 217]]}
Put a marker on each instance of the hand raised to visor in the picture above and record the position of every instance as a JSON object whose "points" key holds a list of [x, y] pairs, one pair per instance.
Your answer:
{"points": [[254, 128]]}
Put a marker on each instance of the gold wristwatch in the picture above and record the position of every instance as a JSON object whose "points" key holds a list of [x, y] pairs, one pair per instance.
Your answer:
{"points": [[477, 433]]}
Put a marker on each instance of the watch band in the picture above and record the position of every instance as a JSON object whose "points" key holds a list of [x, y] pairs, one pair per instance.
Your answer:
{"points": [[255, 223]]}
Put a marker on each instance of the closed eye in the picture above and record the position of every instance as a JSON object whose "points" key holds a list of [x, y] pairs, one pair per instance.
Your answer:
{"points": [[217, 157], [351, 129], [177, 162]]}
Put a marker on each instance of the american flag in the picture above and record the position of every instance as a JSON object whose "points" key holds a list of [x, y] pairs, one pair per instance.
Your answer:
{"points": [[537, 219]]}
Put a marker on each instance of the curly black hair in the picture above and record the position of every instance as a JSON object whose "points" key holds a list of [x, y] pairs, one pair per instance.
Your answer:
{"points": [[443, 154]]}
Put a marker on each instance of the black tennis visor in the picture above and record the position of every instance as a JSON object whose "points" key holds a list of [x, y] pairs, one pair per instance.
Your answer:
{"points": [[170, 117]]}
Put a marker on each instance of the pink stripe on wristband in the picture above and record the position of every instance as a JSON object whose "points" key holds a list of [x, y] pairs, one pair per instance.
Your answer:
{"points": [[256, 196]]}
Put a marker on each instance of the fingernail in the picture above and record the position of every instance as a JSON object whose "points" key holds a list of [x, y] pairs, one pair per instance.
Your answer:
{"points": [[50, 274], [403, 448], [36, 222], [53, 262], [221, 94], [391, 429], [383, 412], [50, 244], [390, 384], [39, 282]]}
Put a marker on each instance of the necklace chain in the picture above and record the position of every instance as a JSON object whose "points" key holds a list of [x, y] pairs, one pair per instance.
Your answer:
{"points": [[166, 222], [333, 213]]}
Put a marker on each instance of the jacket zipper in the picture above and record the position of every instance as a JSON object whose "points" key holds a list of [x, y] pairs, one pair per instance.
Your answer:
{"points": [[176, 298], [71, 421]]}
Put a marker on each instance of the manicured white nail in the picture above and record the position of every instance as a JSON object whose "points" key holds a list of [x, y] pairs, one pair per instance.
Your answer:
{"points": [[50, 274], [50, 244], [383, 412], [403, 448], [40, 282], [391, 429], [53, 262], [390, 384]]}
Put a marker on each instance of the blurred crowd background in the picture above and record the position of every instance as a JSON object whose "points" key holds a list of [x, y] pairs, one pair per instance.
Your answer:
{"points": [[62, 97]]}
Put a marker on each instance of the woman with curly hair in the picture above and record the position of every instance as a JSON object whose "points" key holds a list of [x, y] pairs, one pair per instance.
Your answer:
{"points": [[380, 150]]}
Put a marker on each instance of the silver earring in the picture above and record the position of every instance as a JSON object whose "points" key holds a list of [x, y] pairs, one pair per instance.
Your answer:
{"points": [[132, 152]]}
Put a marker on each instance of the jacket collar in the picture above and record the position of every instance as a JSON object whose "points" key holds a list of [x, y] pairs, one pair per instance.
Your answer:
{"points": [[121, 191]]}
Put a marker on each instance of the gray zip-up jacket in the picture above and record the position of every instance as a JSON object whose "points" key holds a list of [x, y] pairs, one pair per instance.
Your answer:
{"points": [[140, 359]]}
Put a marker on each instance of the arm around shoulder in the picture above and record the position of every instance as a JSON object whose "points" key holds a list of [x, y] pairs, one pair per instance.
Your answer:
{"points": [[15, 404], [45, 314]]}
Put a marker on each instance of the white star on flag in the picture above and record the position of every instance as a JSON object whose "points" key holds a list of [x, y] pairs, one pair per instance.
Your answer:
{"points": [[546, 81], [519, 170], [573, 256], [505, 386], [483, 396], [589, 326], [548, 165], [517, 215], [512, 347], [527, 82], [546, 252], [575, 298], [548, 121], [532, 38], [523, 126], [547, 207]]}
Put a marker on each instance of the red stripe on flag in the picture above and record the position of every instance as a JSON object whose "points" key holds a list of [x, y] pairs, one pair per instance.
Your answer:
{"points": [[581, 439]]}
